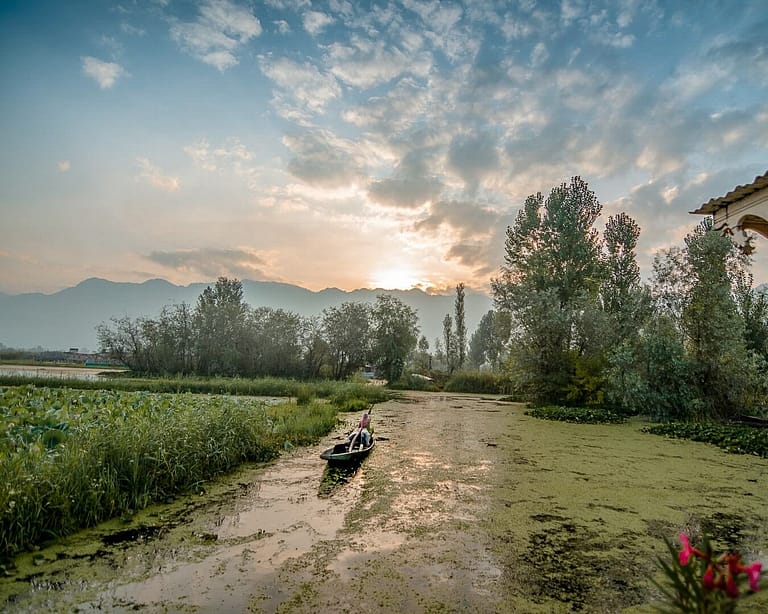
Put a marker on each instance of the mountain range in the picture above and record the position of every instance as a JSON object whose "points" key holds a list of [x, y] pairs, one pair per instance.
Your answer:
{"points": [[68, 318]]}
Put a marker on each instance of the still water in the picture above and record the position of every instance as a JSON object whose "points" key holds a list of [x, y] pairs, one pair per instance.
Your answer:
{"points": [[50, 371]]}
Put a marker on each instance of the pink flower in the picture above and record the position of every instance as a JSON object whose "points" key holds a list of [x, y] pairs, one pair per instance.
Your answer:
{"points": [[731, 588], [708, 579], [686, 553], [753, 571]]}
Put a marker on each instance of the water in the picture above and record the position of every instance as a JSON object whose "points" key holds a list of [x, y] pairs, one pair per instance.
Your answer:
{"points": [[51, 371]]}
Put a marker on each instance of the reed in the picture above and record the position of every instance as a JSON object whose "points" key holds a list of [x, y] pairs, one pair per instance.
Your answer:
{"points": [[117, 452]]}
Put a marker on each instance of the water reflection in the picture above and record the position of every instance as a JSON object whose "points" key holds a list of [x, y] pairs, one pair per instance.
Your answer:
{"points": [[58, 372]]}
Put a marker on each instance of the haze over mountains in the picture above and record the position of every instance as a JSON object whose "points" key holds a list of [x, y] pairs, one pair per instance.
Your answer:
{"points": [[68, 318]]}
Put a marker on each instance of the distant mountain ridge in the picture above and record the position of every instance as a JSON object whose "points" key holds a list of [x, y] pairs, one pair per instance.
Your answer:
{"points": [[68, 318]]}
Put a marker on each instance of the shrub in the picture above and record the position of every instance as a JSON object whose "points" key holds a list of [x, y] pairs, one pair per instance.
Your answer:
{"points": [[475, 381], [414, 381]]}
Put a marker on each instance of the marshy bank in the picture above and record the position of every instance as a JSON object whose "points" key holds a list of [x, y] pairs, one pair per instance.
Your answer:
{"points": [[465, 504]]}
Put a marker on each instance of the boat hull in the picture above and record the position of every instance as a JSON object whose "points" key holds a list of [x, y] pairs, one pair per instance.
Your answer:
{"points": [[340, 453]]}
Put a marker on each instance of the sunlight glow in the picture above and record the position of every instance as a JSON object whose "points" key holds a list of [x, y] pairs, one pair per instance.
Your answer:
{"points": [[396, 279]]}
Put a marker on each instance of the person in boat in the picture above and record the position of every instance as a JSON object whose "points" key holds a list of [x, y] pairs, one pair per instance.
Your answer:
{"points": [[361, 434]]}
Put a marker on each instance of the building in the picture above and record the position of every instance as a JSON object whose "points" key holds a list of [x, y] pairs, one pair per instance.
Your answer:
{"points": [[743, 209]]}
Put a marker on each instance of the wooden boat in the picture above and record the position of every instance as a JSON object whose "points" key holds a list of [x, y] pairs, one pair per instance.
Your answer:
{"points": [[340, 453]]}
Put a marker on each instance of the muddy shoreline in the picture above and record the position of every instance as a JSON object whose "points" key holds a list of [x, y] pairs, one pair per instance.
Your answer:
{"points": [[466, 504]]}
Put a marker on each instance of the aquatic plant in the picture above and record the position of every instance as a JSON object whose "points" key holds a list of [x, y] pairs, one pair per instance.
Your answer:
{"points": [[582, 415], [701, 581], [72, 458], [263, 386], [733, 438]]}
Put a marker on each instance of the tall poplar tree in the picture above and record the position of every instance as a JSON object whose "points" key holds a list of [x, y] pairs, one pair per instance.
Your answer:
{"points": [[552, 267], [460, 322]]}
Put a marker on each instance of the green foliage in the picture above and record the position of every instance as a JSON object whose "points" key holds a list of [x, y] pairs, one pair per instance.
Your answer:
{"points": [[354, 396], [265, 387], [460, 332], [414, 381], [395, 333], [582, 415], [304, 395], [733, 438], [348, 334], [587, 382], [486, 345], [485, 382], [352, 404], [72, 458], [652, 375]]}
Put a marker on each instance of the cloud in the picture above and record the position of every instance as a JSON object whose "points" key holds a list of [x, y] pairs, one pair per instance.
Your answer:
{"points": [[472, 156], [303, 90], [210, 159], [322, 159], [132, 30], [411, 185], [105, 74], [230, 157], [221, 28], [282, 26], [397, 110], [315, 22], [63, 165], [473, 234], [154, 176], [213, 262], [364, 62]]}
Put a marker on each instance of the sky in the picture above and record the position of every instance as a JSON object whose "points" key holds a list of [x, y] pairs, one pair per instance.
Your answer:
{"points": [[347, 144]]}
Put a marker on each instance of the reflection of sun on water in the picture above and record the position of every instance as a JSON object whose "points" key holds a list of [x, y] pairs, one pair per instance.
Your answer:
{"points": [[396, 279]]}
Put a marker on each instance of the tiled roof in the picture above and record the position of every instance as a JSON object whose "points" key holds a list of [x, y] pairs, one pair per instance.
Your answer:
{"points": [[738, 193]]}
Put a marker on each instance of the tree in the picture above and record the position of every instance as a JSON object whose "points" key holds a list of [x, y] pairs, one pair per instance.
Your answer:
{"points": [[461, 327], [552, 268], [275, 342], [315, 347], [712, 325], [752, 305], [652, 374], [124, 342], [220, 317], [449, 339], [697, 287], [488, 341], [395, 331], [627, 303], [425, 359], [481, 341], [348, 335]]}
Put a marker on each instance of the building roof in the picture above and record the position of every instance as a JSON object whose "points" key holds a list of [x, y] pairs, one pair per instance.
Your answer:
{"points": [[738, 193]]}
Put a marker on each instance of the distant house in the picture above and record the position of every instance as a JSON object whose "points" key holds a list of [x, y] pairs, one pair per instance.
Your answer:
{"points": [[743, 209]]}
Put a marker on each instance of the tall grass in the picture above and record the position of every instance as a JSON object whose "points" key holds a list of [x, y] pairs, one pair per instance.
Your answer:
{"points": [[485, 382], [117, 452]]}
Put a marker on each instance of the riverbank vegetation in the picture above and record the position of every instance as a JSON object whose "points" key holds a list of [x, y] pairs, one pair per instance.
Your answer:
{"points": [[224, 336], [586, 331], [72, 458], [337, 391]]}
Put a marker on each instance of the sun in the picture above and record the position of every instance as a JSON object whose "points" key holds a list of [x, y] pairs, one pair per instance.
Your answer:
{"points": [[395, 279]]}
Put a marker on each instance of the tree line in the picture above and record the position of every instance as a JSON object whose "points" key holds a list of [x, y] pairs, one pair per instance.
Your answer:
{"points": [[223, 335], [572, 323], [578, 327]]}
